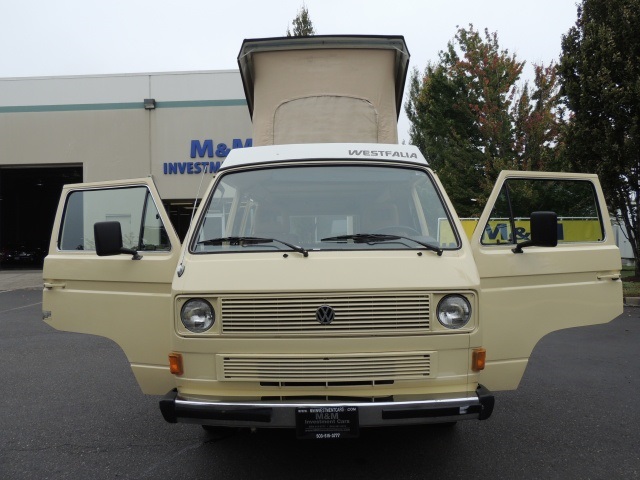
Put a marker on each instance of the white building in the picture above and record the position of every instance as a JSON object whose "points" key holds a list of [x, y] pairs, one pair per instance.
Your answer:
{"points": [[626, 252], [61, 130]]}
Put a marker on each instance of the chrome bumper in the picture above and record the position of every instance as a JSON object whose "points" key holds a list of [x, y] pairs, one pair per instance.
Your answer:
{"points": [[374, 412]]}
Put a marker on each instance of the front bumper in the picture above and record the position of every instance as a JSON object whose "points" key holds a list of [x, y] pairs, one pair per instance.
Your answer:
{"points": [[374, 412]]}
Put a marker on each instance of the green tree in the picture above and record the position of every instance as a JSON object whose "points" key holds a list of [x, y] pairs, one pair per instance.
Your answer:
{"points": [[302, 25], [470, 119], [600, 76], [538, 121]]}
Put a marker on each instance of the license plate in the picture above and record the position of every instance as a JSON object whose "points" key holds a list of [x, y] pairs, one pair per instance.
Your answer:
{"points": [[327, 422]]}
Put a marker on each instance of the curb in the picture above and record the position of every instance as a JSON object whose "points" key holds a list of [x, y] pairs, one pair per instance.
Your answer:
{"points": [[631, 301], [20, 280]]}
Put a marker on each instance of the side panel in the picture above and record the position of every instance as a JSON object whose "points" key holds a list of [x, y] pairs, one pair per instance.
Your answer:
{"points": [[525, 296], [125, 300]]}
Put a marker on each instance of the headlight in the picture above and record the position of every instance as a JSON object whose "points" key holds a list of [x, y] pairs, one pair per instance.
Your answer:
{"points": [[454, 311], [197, 315]]}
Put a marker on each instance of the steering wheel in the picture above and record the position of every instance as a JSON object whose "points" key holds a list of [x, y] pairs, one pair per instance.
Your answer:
{"points": [[391, 229]]}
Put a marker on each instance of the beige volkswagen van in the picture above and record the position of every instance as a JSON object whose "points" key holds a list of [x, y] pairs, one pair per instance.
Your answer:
{"points": [[326, 283]]}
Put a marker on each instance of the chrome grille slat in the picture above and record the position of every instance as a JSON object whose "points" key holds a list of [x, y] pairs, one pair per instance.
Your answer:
{"points": [[405, 312]]}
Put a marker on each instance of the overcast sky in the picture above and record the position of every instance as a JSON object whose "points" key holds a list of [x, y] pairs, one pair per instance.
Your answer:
{"points": [[85, 37]]}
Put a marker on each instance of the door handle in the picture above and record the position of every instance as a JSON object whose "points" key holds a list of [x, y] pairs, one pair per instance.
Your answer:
{"points": [[609, 276], [49, 286]]}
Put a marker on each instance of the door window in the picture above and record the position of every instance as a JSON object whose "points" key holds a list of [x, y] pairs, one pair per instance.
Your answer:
{"points": [[574, 201], [133, 207]]}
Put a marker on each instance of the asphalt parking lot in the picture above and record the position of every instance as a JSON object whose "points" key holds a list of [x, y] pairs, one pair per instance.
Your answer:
{"points": [[72, 409]]}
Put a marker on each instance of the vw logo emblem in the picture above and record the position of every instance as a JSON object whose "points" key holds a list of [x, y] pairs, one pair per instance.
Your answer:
{"points": [[325, 314]]}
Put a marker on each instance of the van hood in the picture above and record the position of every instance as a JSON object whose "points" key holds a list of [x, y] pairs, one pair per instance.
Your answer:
{"points": [[349, 271]]}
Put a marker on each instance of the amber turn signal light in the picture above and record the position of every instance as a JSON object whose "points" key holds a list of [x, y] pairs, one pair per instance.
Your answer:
{"points": [[175, 364], [478, 359]]}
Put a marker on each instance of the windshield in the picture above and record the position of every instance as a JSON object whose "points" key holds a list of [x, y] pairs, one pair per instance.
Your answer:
{"points": [[325, 207]]}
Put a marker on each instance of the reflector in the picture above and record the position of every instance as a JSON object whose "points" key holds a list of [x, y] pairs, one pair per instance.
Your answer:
{"points": [[175, 364], [478, 359]]}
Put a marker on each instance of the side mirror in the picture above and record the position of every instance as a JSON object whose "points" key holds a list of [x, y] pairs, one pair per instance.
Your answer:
{"points": [[108, 236], [544, 231]]}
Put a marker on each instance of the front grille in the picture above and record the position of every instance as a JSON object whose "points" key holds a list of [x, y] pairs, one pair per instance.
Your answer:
{"points": [[303, 369], [355, 314]]}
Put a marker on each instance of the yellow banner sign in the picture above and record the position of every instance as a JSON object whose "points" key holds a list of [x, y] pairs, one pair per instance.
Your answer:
{"points": [[498, 230]]}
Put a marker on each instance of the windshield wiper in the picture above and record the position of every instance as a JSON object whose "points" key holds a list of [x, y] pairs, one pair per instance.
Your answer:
{"points": [[372, 238], [242, 241]]}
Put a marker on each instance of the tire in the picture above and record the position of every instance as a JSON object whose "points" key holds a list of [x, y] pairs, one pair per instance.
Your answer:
{"points": [[445, 425], [219, 431]]}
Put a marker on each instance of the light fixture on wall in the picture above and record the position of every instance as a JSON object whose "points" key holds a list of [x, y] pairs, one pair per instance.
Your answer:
{"points": [[149, 103]]}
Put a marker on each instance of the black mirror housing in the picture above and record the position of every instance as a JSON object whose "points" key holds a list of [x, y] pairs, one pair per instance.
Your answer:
{"points": [[544, 231], [108, 237]]}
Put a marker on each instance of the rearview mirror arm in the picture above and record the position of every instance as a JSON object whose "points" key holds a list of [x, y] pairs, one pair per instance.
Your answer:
{"points": [[134, 253]]}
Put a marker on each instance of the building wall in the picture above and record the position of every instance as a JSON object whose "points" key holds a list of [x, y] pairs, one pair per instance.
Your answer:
{"points": [[100, 123]]}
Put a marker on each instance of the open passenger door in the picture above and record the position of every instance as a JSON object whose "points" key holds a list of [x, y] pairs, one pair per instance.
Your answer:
{"points": [[529, 292], [119, 297]]}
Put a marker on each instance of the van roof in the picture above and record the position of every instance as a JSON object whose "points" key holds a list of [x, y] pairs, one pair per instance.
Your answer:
{"points": [[396, 43], [324, 151]]}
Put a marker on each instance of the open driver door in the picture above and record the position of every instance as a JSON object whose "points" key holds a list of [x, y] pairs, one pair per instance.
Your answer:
{"points": [[121, 296]]}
